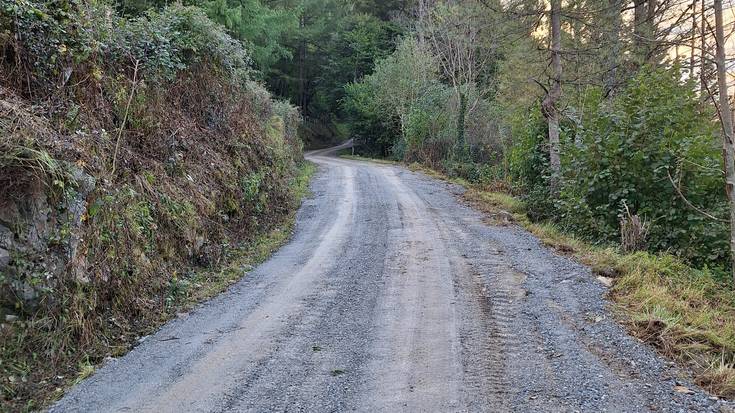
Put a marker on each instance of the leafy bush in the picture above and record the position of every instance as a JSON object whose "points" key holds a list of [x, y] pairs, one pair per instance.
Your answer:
{"points": [[177, 38], [429, 132], [628, 152], [389, 95], [54, 38], [529, 160], [373, 132], [403, 110]]}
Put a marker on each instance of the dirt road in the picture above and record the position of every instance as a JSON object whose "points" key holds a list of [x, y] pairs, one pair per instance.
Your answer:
{"points": [[393, 296]]}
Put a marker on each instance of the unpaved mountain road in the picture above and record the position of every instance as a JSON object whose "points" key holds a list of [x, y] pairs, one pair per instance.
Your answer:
{"points": [[393, 296]]}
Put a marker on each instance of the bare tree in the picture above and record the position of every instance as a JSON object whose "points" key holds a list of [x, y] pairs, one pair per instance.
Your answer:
{"points": [[454, 34], [725, 113], [551, 101], [693, 44]]}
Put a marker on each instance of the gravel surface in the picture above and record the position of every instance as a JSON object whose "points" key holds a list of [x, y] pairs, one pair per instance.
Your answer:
{"points": [[394, 296]]}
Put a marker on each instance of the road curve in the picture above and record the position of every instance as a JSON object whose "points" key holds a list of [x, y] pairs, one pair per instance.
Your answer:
{"points": [[394, 296]]}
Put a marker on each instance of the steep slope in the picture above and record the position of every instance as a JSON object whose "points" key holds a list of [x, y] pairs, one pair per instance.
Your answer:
{"points": [[134, 155]]}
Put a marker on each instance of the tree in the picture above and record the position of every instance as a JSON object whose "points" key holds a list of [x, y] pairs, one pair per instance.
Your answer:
{"points": [[613, 41], [261, 27], [334, 43], [725, 112], [454, 33], [551, 101]]}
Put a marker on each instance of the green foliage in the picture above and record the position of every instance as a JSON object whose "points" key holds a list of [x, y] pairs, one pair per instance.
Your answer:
{"points": [[336, 43], [291, 118], [625, 154], [56, 35], [374, 133], [261, 27], [529, 164], [177, 38], [402, 87], [251, 187], [405, 110], [60, 38], [207, 161]]}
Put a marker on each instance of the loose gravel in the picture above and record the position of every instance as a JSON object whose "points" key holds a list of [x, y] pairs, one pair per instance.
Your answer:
{"points": [[394, 296]]}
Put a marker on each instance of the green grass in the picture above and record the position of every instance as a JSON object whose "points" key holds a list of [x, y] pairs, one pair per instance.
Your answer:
{"points": [[347, 154]]}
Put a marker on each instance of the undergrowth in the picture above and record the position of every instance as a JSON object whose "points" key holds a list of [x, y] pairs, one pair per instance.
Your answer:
{"points": [[201, 285], [37, 379], [141, 164]]}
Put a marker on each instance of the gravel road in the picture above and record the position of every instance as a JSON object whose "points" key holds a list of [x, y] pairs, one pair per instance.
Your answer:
{"points": [[394, 296]]}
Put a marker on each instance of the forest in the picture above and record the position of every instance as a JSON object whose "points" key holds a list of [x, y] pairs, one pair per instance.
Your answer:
{"points": [[144, 141]]}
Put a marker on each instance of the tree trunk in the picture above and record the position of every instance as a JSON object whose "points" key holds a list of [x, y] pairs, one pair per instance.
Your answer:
{"points": [[728, 149], [639, 37], [644, 31], [461, 115], [302, 67], [650, 33], [549, 105], [422, 22], [702, 56], [694, 39], [613, 46]]}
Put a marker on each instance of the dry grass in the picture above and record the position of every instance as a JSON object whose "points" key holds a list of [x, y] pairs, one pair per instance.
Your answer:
{"points": [[169, 215], [131, 233], [684, 312]]}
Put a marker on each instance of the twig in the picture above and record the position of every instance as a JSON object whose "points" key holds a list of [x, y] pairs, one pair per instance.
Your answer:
{"points": [[541, 85], [689, 204], [125, 117]]}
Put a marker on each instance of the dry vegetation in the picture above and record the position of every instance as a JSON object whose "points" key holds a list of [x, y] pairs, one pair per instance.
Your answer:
{"points": [[130, 186], [682, 311]]}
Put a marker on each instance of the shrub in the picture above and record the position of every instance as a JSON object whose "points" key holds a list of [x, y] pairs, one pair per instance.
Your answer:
{"points": [[529, 160], [54, 38], [629, 151], [177, 38]]}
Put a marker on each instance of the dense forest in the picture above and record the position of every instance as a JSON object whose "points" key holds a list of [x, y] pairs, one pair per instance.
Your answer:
{"points": [[141, 137]]}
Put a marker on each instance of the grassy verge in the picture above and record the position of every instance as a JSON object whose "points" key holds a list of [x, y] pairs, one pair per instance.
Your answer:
{"points": [[684, 312], [347, 154]]}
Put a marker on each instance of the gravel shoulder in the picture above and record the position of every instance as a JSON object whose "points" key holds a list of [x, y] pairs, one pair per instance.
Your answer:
{"points": [[394, 296]]}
